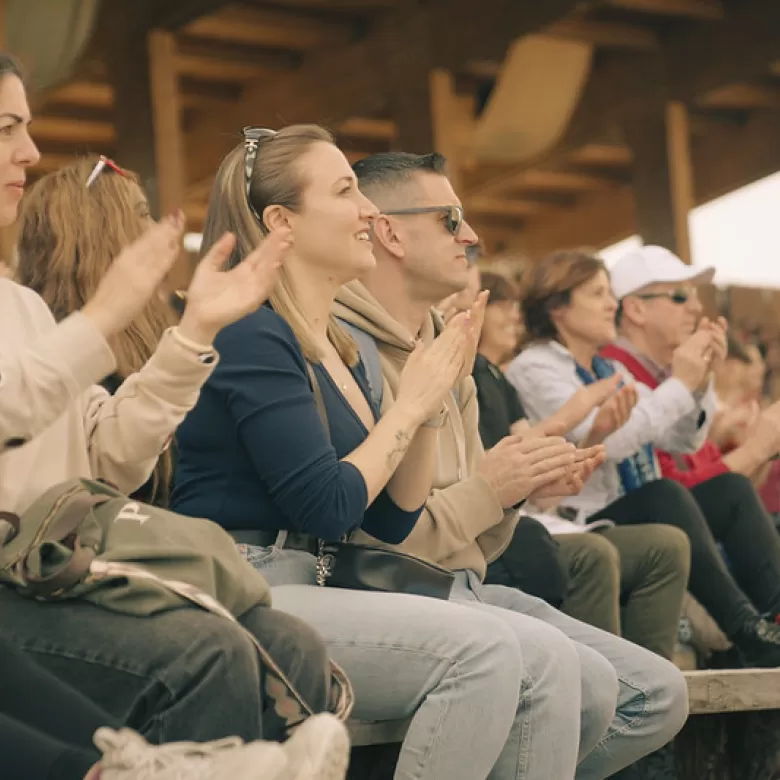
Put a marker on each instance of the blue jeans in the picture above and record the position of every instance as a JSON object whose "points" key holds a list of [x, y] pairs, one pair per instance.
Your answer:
{"points": [[487, 697], [633, 701]]}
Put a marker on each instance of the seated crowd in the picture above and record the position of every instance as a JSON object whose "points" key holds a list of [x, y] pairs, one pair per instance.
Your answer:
{"points": [[340, 372]]}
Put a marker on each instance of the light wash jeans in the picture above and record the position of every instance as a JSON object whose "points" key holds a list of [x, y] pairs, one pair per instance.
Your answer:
{"points": [[459, 673], [633, 701], [493, 693]]}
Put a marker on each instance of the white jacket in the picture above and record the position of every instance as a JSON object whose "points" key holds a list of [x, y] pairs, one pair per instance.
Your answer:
{"points": [[670, 417]]}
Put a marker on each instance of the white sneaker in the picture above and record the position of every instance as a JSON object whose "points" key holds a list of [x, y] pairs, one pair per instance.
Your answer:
{"points": [[318, 750], [128, 756]]}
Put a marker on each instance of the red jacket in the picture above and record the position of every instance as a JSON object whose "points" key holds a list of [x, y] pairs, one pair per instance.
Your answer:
{"points": [[688, 470]]}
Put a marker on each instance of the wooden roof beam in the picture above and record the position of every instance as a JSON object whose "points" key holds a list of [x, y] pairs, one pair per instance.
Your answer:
{"points": [[501, 207], [229, 64], [367, 127], [483, 31], [693, 9], [72, 131], [742, 97], [692, 62], [269, 27], [607, 35], [724, 160], [177, 14], [332, 86], [92, 94]]}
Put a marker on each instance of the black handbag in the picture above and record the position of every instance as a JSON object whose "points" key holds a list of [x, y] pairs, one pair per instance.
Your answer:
{"points": [[364, 567]]}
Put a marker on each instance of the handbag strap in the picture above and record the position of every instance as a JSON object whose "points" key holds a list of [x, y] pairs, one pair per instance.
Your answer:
{"points": [[64, 529], [324, 560], [64, 578]]}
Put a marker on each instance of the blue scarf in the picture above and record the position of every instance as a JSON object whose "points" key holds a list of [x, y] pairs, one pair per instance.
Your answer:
{"points": [[640, 467]]}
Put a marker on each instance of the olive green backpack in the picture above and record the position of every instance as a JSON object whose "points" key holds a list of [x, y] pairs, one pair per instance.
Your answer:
{"points": [[83, 539]]}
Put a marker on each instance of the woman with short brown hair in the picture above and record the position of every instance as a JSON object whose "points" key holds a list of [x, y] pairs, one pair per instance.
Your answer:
{"points": [[570, 313]]}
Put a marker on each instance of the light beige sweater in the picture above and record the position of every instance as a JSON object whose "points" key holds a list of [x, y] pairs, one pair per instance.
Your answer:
{"points": [[463, 525], [55, 424]]}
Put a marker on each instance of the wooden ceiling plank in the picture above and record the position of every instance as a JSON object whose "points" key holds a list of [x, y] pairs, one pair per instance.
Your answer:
{"points": [[51, 162], [607, 35], [726, 159], [269, 27], [697, 60], [500, 207], [368, 127], [602, 155], [742, 96], [218, 70], [337, 5], [333, 86], [90, 94], [72, 131], [694, 9], [225, 63], [559, 181]]}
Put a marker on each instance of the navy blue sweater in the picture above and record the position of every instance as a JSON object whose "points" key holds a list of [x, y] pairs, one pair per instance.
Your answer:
{"points": [[253, 453]]}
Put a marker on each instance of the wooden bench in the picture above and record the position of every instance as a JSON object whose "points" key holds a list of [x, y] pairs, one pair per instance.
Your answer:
{"points": [[733, 732]]}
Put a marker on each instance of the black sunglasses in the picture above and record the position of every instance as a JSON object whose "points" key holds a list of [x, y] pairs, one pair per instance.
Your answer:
{"points": [[252, 137], [678, 297], [453, 215]]}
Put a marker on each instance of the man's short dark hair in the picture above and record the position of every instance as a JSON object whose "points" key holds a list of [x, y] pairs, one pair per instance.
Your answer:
{"points": [[391, 168]]}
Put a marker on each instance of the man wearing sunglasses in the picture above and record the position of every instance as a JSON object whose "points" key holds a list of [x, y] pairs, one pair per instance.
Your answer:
{"points": [[659, 312], [622, 701]]}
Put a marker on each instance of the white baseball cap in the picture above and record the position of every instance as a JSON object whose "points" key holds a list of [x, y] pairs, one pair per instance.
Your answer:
{"points": [[653, 265]]}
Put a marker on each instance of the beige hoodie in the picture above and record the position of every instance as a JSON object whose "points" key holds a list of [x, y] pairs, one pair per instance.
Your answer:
{"points": [[463, 525], [55, 424]]}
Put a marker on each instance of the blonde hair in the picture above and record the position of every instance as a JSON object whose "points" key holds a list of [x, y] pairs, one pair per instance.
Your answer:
{"points": [[68, 237], [277, 179]]}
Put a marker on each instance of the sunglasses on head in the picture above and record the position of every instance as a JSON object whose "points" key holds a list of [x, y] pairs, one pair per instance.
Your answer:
{"points": [[101, 165], [678, 297], [252, 137], [453, 215]]}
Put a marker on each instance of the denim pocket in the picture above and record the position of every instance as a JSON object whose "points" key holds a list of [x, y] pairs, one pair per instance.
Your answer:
{"points": [[258, 556]]}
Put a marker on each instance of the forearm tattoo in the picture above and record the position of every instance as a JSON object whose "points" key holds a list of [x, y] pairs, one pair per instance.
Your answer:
{"points": [[400, 447]]}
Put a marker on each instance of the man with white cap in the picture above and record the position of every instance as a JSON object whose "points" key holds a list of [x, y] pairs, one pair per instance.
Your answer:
{"points": [[659, 311]]}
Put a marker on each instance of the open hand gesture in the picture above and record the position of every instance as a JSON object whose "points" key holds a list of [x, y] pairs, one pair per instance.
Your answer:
{"points": [[432, 371], [476, 315], [571, 482], [612, 415], [135, 276], [580, 405]]}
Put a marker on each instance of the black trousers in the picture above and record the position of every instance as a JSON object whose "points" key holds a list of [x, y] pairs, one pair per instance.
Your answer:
{"points": [[531, 563], [724, 509], [46, 726]]}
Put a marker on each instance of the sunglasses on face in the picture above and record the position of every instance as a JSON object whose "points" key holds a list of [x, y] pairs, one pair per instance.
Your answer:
{"points": [[252, 137], [101, 165], [453, 218], [678, 297]]}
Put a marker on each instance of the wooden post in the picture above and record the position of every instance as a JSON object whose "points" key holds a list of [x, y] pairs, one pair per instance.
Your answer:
{"points": [[407, 81], [129, 72], [166, 117], [168, 137], [663, 178], [678, 143], [446, 118]]}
